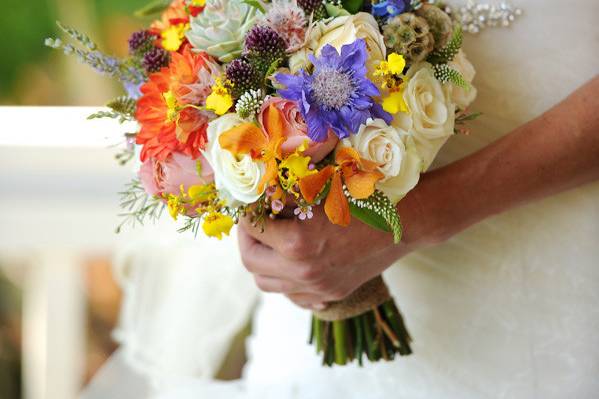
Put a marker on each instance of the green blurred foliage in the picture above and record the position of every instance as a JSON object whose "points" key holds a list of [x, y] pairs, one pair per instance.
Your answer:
{"points": [[25, 24], [22, 24]]}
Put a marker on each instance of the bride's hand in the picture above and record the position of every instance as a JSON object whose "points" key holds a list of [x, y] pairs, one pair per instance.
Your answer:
{"points": [[314, 261]]}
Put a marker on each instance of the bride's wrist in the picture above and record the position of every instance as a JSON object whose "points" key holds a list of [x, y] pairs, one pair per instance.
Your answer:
{"points": [[424, 215]]}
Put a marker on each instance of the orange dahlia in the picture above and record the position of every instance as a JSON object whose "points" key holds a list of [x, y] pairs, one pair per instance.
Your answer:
{"points": [[168, 120], [174, 22]]}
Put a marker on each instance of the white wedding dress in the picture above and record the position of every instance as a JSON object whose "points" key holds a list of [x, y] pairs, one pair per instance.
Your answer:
{"points": [[507, 309]]}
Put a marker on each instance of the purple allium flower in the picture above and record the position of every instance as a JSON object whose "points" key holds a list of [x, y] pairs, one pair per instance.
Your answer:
{"points": [[140, 41], [244, 77], [303, 213], [337, 95], [265, 41], [155, 59], [390, 8]]}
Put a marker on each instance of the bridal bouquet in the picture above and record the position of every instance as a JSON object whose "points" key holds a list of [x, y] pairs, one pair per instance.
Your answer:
{"points": [[245, 108]]}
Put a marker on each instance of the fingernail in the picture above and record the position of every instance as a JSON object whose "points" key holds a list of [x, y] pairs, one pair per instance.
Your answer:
{"points": [[319, 306]]}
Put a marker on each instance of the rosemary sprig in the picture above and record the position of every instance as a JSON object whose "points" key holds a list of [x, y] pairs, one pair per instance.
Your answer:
{"points": [[138, 205]]}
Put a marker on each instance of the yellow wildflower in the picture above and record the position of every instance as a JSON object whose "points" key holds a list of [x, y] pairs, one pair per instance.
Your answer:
{"points": [[392, 79], [220, 100], [396, 63], [216, 224], [173, 36], [201, 193], [198, 3], [394, 101], [292, 169], [175, 206]]}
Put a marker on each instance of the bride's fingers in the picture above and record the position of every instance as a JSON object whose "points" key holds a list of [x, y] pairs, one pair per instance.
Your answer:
{"points": [[261, 260], [275, 284], [307, 301], [276, 233]]}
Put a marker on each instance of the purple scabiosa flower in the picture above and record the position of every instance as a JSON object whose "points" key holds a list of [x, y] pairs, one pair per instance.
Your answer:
{"points": [[390, 8], [337, 95]]}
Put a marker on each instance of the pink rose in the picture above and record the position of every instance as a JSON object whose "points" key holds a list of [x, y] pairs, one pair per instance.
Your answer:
{"points": [[295, 129], [168, 176]]}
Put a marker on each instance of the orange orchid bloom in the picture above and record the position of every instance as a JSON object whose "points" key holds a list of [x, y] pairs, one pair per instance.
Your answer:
{"points": [[248, 138], [359, 175]]}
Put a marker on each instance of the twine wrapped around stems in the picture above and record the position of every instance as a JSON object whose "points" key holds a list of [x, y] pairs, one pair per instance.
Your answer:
{"points": [[368, 296]]}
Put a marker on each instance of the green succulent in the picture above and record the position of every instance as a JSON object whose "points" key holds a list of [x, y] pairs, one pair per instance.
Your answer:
{"points": [[221, 28]]}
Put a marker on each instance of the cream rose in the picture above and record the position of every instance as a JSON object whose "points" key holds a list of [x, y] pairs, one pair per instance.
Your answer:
{"points": [[393, 150], [463, 97], [431, 109], [338, 32], [236, 177]]}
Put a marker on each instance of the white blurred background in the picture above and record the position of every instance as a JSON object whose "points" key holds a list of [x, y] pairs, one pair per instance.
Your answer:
{"points": [[58, 198], [58, 207]]}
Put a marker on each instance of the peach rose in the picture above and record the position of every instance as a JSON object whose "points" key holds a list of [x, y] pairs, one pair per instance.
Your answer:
{"points": [[168, 176], [295, 129]]}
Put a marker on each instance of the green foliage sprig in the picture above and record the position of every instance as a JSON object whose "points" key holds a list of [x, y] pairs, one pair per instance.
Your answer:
{"points": [[447, 53], [127, 71], [444, 73], [121, 108], [377, 211], [138, 206]]}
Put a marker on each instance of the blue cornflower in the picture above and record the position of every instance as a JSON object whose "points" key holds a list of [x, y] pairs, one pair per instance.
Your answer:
{"points": [[337, 95], [390, 8]]}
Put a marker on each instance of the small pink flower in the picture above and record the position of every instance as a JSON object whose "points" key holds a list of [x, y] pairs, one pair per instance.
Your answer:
{"points": [[303, 213], [179, 169], [277, 206], [296, 130]]}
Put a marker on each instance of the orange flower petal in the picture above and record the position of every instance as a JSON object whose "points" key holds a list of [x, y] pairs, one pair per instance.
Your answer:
{"points": [[346, 155], [361, 184], [246, 138], [270, 175], [312, 185], [273, 123], [336, 206]]}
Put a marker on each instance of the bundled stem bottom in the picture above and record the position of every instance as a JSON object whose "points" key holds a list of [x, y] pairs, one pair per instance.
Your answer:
{"points": [[379, 333]]}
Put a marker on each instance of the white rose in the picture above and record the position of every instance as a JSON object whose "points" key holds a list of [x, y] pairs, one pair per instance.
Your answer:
{"points": [[236, 177], [339, 32], [394, 151], [462, 97], [431, 109]]}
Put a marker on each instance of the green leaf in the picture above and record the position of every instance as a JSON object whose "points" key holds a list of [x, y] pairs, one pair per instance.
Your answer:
{"points": [[369, 217], [273, 67], [153, 8], [468, 117], [335, 11], [386, 213], [256, 4], [353, 6]]}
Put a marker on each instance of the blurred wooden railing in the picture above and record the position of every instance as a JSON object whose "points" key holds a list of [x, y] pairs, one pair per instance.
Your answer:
{"points": [[58, 204]]}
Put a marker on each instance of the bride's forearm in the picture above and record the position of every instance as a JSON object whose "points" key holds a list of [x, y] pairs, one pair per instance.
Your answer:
{"points": [[552, 153]]}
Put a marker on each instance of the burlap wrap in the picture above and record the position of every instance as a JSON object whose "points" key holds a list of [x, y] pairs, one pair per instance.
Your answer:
{"points": [[371, 294]]}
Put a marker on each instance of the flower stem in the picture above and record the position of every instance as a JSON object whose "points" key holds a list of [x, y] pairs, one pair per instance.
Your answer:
{"points": [[339, 335]]}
